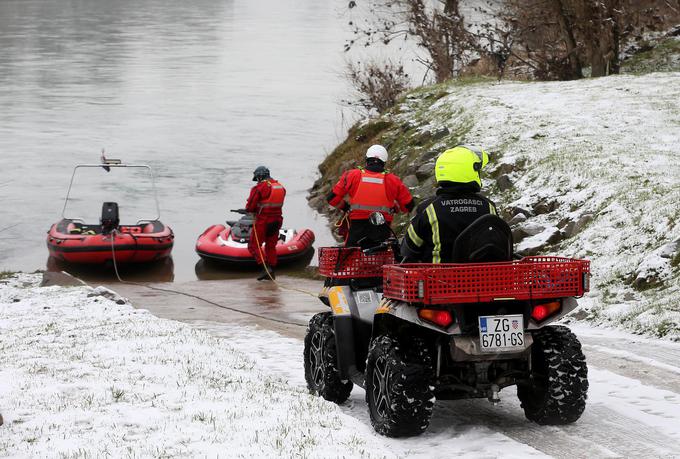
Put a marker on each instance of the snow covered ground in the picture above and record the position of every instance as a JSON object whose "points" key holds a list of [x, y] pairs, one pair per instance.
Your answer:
{"points": [[602, 155], [83, 374], [625, 417]]}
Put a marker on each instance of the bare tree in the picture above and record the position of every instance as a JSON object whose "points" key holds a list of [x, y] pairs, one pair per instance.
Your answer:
{"points": [[606, 25], [557, 38], [539, 37], [544, 39], [436, 27]]}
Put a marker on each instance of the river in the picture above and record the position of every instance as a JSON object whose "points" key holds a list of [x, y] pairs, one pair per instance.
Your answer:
{"points": [[202, 91]]}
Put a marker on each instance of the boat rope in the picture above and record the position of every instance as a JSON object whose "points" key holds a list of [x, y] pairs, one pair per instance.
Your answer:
{"points": [[190, 295], [271, 278]]}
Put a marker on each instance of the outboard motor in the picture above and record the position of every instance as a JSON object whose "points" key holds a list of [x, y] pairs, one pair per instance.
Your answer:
{"points": [[109, 219]]}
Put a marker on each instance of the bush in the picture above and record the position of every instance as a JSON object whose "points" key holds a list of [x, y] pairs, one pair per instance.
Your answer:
{"points": [[377, 86]]}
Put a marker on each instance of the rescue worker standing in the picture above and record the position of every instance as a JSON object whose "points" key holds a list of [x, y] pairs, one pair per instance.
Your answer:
{"points": [[370, 189], [265, 202], [457, 203]]}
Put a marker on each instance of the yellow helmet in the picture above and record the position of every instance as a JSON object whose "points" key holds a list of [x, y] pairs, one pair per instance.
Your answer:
{"points": [[461, 164]]}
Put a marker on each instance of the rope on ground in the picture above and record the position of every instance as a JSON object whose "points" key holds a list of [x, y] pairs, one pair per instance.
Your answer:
{"points": [[271, 278], [191, 295]]}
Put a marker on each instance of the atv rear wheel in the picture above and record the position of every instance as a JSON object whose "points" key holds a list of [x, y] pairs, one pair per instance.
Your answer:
{"points": [[558, 392], [398, 386], [321, 360]]}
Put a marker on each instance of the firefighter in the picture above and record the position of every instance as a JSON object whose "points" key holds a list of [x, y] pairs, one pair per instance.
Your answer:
{"points": [[457, 203], [370, 189], [265, 202]]}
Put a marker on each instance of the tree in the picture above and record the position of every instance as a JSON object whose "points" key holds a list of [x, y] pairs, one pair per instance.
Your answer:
{"points": [[435, 27], [606, 25], [544, 39], [557, 38]]}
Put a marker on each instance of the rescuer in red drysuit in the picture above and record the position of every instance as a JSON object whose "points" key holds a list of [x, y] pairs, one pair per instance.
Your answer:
{"points": [[265, 202], [370, 189]]}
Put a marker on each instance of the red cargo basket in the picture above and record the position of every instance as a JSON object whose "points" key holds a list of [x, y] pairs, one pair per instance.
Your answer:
{"points": [[525, 279], [351, 262]]}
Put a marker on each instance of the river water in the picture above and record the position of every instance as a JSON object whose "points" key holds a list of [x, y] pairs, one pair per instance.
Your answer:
{"points": [[202, 91]]}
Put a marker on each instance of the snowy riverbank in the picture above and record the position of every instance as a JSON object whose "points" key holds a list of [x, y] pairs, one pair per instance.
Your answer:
{"points": [[586, 168], [83, 376]]}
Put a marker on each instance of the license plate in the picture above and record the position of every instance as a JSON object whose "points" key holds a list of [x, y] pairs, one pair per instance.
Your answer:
{"points": [[501, 333]]}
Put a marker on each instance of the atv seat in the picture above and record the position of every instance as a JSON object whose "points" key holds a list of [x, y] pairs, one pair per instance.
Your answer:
{"points": [[487, 239]]}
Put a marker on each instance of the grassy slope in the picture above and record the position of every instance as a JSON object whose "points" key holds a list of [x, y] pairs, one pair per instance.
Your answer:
{"points": [[411, 133], [664, 56], [606, 147]]}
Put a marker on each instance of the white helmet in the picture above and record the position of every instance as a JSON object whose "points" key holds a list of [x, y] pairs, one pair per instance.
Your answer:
{"points": [[377, 151]]}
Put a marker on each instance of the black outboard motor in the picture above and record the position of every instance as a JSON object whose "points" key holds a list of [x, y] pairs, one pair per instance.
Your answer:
{"points": [[110, 219]]}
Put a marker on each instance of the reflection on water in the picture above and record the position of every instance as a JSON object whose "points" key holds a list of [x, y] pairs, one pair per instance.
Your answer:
{"points": [[202, 91], [267, 295], [157, 271], [163, 270], [213, 270]]}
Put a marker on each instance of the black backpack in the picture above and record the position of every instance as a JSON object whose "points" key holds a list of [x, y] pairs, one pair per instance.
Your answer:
{"points": [[487, 239]]}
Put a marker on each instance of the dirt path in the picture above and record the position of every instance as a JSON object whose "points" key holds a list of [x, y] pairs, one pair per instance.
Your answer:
{"points": [[262, 298]]}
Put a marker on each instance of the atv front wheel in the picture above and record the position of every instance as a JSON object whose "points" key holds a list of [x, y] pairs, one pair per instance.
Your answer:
{"points": [[558, 391], [321, 360], [398, 386]]}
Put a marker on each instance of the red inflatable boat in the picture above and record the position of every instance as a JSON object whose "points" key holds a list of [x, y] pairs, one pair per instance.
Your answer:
{"points": [[229, 244], [74, 241]]}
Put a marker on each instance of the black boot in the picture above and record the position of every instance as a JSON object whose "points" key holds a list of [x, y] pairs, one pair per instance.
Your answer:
{"points": [[267, 273]]}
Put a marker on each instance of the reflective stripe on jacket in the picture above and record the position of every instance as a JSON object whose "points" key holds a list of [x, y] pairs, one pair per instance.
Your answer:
{"points": [[439, 220], [275, 198], [371, 195]]}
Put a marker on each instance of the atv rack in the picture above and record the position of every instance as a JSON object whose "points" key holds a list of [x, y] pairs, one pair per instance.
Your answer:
{"points": [[525, 279], [352, 262]]}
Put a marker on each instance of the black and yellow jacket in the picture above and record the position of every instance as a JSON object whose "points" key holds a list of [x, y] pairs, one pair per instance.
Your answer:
{"points": [[440, 219]]}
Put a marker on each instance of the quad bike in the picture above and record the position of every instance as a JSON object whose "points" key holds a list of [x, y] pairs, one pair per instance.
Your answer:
{"points": [[412, 333]]}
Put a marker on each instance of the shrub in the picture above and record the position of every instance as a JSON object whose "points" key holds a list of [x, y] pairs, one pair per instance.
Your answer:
{"points": [[377, 86]]}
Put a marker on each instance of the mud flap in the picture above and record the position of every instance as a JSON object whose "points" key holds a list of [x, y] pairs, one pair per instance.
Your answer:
{"points": [[339, 298], [344, 341]]}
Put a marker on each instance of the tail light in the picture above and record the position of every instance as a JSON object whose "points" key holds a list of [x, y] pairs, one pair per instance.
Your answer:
{"points": [[438, 317], [540, 312]]}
